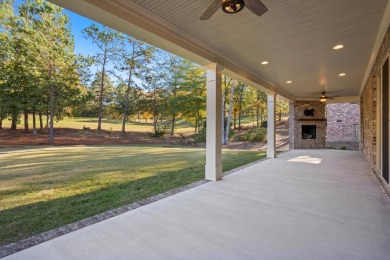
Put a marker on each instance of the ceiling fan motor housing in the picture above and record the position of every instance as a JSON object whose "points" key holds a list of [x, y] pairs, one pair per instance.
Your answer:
{"points": [[232, 6]]}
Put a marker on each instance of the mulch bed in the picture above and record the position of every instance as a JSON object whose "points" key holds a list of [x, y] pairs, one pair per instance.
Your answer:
{"points": [[66, 136]]}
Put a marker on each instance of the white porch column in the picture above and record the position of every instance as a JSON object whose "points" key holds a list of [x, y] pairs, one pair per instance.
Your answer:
{"points": [[213, 166], [271, 138]]}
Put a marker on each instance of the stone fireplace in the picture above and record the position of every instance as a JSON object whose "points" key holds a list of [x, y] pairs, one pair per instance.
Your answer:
{"points": [[307, 125]]}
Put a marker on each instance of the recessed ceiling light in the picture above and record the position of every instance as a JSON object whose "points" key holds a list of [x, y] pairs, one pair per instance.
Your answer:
{"points": [[289, 82], [264, 62], [338, 47], [342, 74]]}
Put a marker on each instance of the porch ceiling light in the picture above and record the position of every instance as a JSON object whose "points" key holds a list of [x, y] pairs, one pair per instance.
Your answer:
{"points": [[264, 62], [342, 74], [338, 47], [232, 6]]}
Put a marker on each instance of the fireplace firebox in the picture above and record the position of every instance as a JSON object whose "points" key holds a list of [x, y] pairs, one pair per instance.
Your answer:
{"points": [[309, 131]]}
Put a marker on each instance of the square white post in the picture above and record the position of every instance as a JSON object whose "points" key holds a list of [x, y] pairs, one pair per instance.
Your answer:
{"points": [[271, 138], [213, 168]]}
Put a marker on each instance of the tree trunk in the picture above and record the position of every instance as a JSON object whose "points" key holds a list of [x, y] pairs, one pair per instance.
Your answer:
{"points": [[257, 108], [127, 95], [154, 116], [51, 123], [173, 123], [34, 124], [240, 107], [1, 123], [26, 121], [47, 118], [196, 124], [102, 91], [13, 123], [235, 119], [40, 121], [124, 117], [229, 114], [223, 119]]}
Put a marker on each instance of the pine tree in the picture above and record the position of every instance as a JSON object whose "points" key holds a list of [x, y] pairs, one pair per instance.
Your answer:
{"points": [[110, 43]]}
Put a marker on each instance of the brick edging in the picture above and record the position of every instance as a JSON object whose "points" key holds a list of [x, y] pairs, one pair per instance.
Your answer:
{"points": [[54, 233], [57, 232]]}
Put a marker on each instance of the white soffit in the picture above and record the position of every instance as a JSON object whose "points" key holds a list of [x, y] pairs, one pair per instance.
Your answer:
{"points": [[295, 36]]}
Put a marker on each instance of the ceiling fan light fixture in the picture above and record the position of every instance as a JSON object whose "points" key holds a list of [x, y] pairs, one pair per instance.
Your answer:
{"points": [[323, 99], [232, 6]]}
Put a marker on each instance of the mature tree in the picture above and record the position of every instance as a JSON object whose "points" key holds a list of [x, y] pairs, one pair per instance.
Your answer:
{"points": [[6, 22], [110, 43], [281, 108], [227, 128], [240, 91], [178, 67], [93, 106], [154, 85], [193, 95], [132, 61], [49, 34], [261, 107]]}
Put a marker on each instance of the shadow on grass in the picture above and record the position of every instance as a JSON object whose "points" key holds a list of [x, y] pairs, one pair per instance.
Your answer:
{"points": [[22, 222], [114, 122]]}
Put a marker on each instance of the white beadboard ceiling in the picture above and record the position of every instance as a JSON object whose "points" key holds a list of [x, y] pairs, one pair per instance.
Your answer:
{"points": [[295, 36]]}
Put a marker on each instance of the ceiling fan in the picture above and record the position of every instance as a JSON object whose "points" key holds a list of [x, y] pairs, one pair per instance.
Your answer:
{"points": [[324, 97], [234, 6]]}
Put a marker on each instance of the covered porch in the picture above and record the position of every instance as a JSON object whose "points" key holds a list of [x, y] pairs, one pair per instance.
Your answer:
{"points": [[305, 204], [306, 52]]}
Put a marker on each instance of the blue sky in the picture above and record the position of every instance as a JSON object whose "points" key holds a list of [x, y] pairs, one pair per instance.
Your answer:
{"points": [[82, 46], [78, 23]]}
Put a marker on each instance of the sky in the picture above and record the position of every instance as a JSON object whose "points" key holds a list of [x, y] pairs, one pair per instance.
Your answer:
{"points": [[83, 46], [78, 23]]}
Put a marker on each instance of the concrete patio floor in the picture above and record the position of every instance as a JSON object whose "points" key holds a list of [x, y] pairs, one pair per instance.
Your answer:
{"points": [[306, 204]]}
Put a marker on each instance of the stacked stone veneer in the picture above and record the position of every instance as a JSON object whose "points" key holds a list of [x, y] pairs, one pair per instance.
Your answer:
{"points": [[342, 121], [297, 118]]}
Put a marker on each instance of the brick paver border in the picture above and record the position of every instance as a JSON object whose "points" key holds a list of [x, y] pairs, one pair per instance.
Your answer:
{"points": [[54, 233]]}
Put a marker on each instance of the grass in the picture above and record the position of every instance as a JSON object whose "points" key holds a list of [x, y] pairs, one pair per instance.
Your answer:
{"points": [[107, 124], [45, 188]]}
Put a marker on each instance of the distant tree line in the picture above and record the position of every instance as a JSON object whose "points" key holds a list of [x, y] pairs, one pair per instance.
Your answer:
{"points": [[40, 74]]}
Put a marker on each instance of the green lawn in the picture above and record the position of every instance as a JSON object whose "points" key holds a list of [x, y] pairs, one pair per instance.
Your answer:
{"points": [[107, 124], [44, 188]]}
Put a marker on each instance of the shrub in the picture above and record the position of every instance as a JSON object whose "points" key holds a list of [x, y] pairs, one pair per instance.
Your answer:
{"points": [[161, 129], [254, 135], [264, 124], [201, 136]]}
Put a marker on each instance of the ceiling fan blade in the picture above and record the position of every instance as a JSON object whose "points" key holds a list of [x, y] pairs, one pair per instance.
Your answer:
{"points": [[256, 6], [211, 10]]}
